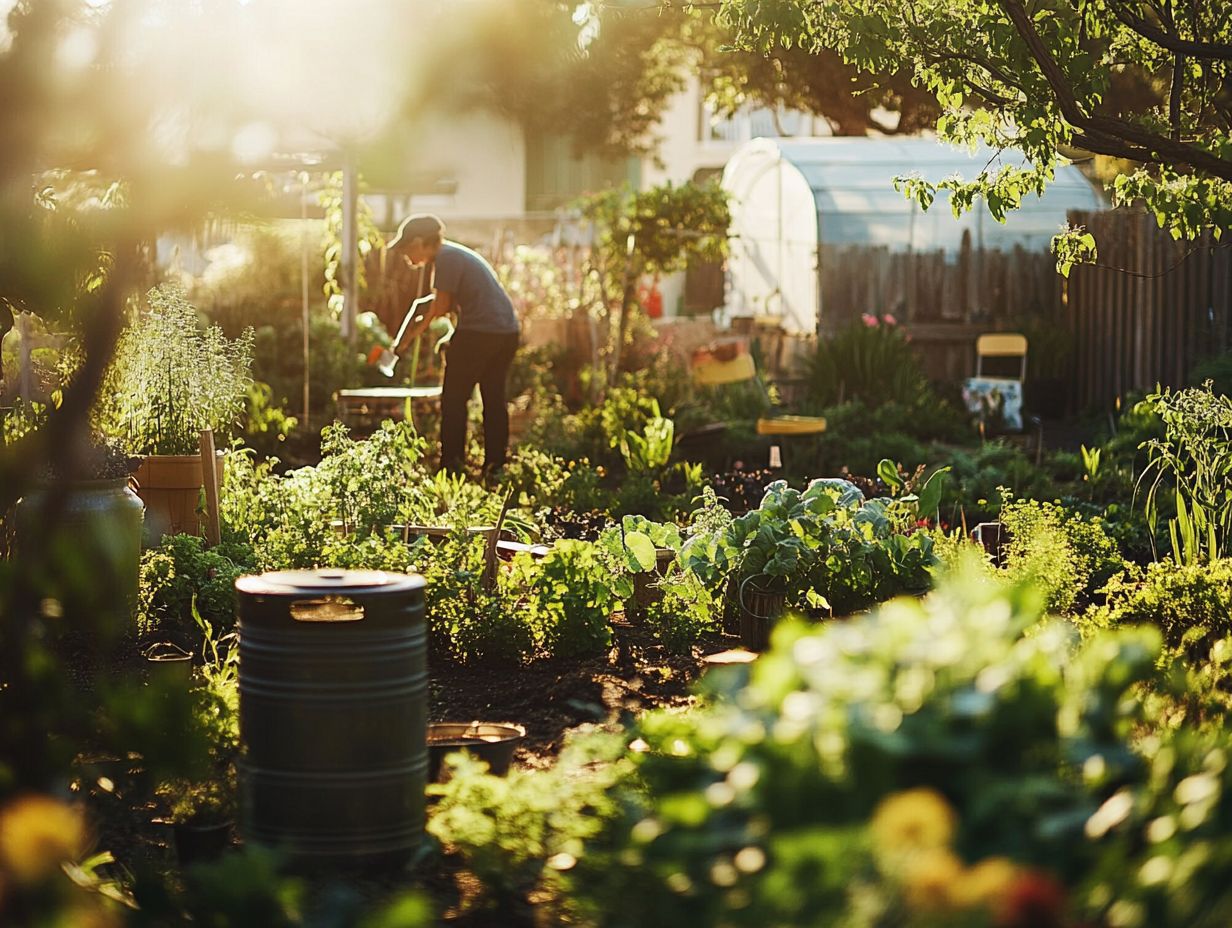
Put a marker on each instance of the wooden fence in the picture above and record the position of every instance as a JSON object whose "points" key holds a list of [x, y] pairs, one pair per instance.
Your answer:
{"points": [[1148, 311], [944, 302]]}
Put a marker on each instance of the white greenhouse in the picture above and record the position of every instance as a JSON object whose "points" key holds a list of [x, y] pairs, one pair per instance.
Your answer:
{"points": [[792, 197]]}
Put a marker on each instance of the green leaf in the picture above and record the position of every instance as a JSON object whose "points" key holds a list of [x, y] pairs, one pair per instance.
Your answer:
{"points": [[887, 470], [930, 493], [642, 550]]}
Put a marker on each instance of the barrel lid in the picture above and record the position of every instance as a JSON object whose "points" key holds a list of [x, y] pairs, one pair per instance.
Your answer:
{"points": [[315, 582]]}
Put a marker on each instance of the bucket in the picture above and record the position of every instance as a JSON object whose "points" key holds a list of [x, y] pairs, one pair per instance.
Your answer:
{"points": [[759, 611], [333, 681]]}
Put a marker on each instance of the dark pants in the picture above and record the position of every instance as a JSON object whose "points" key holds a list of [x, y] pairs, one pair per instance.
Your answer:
{"points": [[476, 358]]}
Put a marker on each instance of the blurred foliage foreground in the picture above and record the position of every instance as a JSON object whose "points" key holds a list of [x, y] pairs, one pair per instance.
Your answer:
{"points": [[960, 759]]}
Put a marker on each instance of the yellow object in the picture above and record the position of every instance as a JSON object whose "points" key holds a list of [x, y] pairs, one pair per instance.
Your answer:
{"points": [[1001, 344], [791, 425], [714, 373]]}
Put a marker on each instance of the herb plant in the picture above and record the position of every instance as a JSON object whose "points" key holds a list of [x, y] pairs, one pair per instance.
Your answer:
{"points": [[170, 379]]}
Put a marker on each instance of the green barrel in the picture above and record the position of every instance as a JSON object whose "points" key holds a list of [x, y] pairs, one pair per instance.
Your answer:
{"points": [[333, 681]]}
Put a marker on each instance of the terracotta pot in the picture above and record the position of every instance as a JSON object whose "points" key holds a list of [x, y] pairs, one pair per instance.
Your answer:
{"points": [[171, 486]]}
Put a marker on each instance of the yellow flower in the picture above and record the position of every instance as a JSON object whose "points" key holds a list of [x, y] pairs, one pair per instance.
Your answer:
{"points": [[37, 834], [916, 819], [986, 883], [930, 878]]}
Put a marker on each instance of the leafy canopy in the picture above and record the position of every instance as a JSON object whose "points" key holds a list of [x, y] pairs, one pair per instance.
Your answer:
{"points": [[1141, 81]]}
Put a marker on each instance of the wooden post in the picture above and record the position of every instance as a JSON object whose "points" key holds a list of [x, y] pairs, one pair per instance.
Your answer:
{"points": [[213, 528], [348, 269], [305, 319], [25, 366]]}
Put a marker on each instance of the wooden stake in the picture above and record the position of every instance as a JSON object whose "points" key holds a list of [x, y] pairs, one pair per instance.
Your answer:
{"points": [[213, 528]]}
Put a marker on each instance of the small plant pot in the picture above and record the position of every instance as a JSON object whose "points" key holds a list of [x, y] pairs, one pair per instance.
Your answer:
{"points": [[993, 537], [169, 665], [196, 843], [759, 611], [491, 742]]}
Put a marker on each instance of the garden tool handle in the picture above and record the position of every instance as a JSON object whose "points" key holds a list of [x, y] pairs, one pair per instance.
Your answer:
{"points": [[412, 315]]}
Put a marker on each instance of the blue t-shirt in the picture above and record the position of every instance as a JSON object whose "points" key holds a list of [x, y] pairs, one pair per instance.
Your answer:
{"points": [[479, 299]]}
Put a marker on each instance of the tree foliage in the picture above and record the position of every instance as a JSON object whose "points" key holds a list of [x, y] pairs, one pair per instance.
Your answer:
{"points": [[559, 67], [1144, 81], [816, 81]]}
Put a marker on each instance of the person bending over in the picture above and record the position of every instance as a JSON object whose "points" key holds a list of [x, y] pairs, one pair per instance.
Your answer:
{"points": [[483, 344]]}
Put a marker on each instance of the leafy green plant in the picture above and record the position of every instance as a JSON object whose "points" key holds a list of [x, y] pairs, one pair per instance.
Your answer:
{"points": [[211, 798], [373, 482], [20, 420], [1090, 464], [870, 361], [201, 802], [954, 760], [361, 490], [571, 599], [1194, 458], [825, 548], [1190, 603], [684, 610], [472, 621], [519, 831], [181, 575], [169, 379], [266, 424], [1068, 556], [648, 451]]}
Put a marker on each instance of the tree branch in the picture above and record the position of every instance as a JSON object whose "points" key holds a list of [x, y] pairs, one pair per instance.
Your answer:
{"points": [[1216, 51], [1154, 148]]}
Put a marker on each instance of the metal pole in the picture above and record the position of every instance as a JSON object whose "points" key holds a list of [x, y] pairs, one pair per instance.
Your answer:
{"points": [[303, 270], [350, 248]]}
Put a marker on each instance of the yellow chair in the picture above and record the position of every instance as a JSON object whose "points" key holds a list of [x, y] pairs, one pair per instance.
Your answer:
{"points": [[1001, 345], [712, 372], [1006, 354]]}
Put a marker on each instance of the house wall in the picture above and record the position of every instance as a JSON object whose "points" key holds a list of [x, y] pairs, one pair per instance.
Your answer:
{"points": [[479, 160]]}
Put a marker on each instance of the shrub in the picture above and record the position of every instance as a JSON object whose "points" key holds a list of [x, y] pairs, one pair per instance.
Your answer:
{"points": [[1190, 603], [571, 599], [518, 830], [684, 611], [1217, 370], [362, 487], [870, 361], [1068, 556], [926, 765], [973, 492], [182, 569], [470, 623]]}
